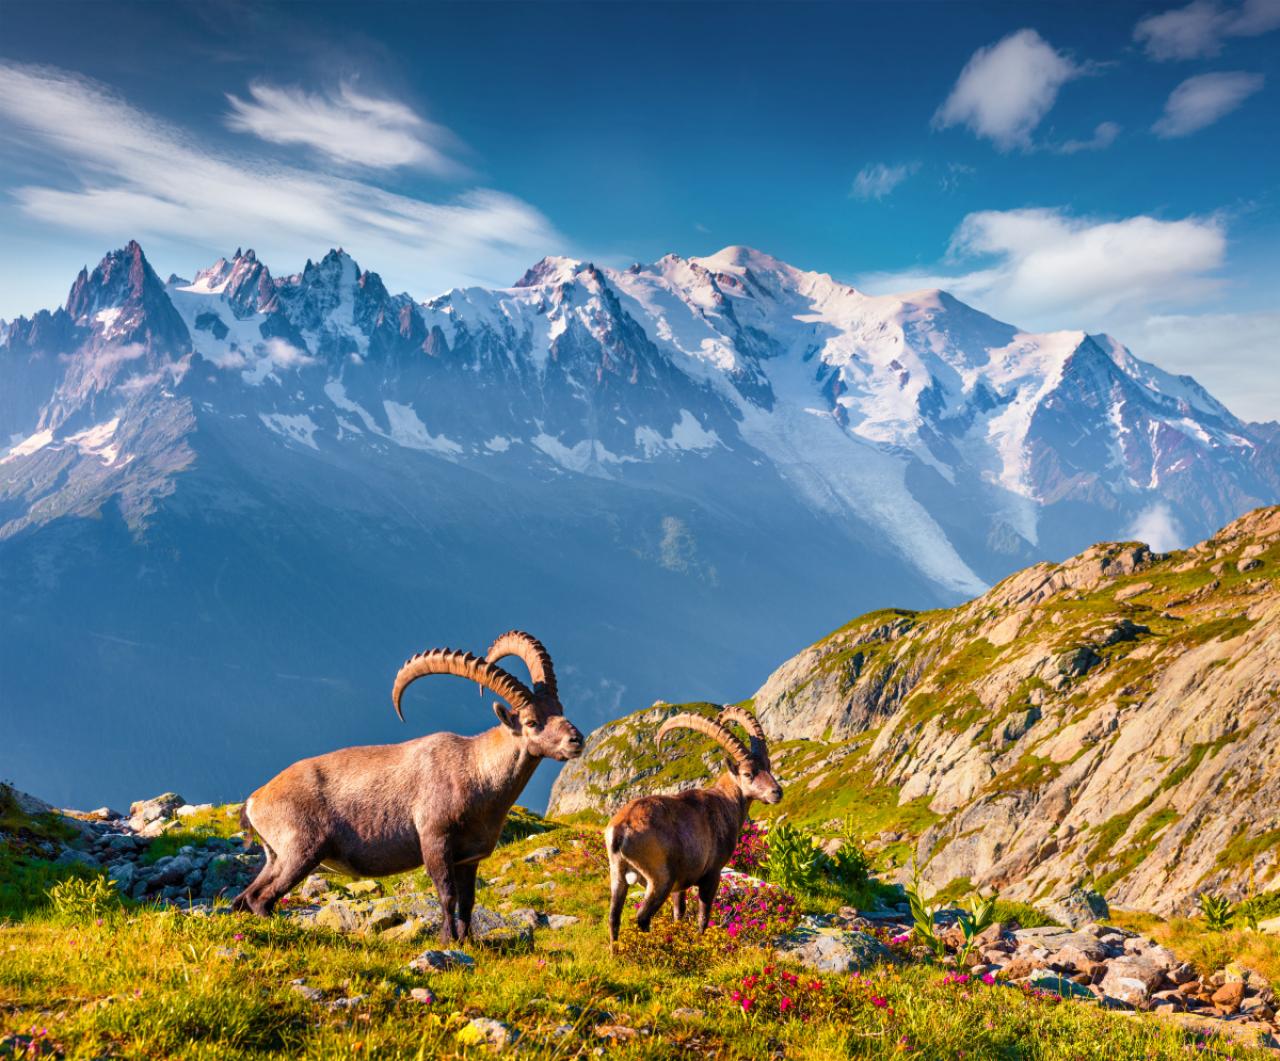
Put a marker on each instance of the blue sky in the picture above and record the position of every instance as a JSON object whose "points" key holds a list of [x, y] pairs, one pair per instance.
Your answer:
{"points": [[1100, 166]]}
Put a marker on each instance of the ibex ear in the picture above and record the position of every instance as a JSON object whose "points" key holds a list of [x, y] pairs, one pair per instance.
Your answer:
{"points": [[506, 717]]}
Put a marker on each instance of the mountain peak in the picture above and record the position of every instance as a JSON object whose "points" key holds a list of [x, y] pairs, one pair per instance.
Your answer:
{"points": [[553, 269]]}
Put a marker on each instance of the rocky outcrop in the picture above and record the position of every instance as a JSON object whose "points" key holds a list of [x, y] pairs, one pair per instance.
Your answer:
{"points": [[1108, 721]]}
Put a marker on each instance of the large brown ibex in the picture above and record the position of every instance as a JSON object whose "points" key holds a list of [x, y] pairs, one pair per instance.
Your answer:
{"points": [[685, 840], [438, 801]]}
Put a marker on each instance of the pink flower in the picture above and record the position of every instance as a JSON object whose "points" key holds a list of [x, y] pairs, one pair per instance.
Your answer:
{"points": [[988, 979]]}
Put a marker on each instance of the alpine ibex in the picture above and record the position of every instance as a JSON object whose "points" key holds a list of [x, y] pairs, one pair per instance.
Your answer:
{"points": [[438, 801], [681, 841]]}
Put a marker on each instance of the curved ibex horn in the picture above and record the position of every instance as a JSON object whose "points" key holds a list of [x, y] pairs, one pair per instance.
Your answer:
{"points": [[749, 722], [736, 749], [464, 665], [532, 652]]}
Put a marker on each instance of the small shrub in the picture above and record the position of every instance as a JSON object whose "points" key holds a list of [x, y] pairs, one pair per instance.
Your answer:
{"points": [[83, 897], [793, 861], [751, 851], [1217, 910], [751, 911], [675, 945], [778, 994]]}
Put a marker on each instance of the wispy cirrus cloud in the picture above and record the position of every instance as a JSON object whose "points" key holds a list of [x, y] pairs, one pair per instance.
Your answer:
{"points": [[1197, 31], [1103, 137], [1006, 89], [876, 180], [346, 126], [124, 173], [1200, 101]]}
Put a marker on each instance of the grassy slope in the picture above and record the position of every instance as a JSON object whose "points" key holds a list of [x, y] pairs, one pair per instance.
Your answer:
{"points": [[146, 983]]}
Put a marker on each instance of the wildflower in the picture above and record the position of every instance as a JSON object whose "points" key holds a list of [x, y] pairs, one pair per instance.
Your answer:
{"points": [[785, 1004], [878, 1002], [989, 979], [238, 936]]}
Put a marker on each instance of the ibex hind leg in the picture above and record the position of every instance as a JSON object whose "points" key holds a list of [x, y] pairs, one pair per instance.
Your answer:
{"points": [[617, 897], [707, 888], [247, 900], [654, 897], [288, 874]]}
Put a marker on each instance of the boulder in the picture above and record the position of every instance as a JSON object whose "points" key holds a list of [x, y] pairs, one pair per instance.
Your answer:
{"points": [[1132, 980], [485, 1031], [1229, 996], [144, 812], [1078, 907], [832, 950], [440, 961]]}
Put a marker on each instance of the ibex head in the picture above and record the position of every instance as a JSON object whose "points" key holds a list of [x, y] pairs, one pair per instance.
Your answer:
{"points": [[535, 716], [749, 767]]}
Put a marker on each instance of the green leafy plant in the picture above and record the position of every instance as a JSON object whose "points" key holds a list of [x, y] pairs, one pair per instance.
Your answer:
{"points": [[83, 897], [1217, 910], [793, 861], [850, 865], [980, 915], [923, 909]]}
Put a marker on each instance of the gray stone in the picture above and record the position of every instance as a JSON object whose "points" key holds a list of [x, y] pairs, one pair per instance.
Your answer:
{"points": [[1132, 980], [833, 950], [561, 920], [311, 994], [485, 1031], [144, 812], [72, 856], [439, 961], [1078, 907], [170, 871], [1059, 985], [122, 874], [541, 854]]}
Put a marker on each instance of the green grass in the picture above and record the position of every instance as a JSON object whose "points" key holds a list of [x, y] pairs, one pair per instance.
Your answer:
{"points": [[145, 983]]}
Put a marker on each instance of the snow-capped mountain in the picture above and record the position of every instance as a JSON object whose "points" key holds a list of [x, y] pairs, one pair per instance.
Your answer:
{"points": [[289, 483]]}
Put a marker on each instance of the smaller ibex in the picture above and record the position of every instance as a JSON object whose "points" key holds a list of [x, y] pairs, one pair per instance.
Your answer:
{"points": [[438, 801], [678, 842]]}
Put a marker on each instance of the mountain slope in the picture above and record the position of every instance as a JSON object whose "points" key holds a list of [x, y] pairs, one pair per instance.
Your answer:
{"points": [[234, 503], [1110, 719]]}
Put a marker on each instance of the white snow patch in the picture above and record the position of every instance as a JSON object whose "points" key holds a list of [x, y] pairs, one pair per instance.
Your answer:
{"points": [[31, 444], [580, 457], [409, 431], [107, 318], [96, 441], [686, 434], [337, 394], [299, 428]]}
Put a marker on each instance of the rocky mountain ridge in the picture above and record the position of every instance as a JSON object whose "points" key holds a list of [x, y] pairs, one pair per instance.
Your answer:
{"points": [[1108, 720], [267, 490]]}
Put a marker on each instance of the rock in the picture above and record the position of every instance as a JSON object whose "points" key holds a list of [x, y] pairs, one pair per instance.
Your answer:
{"points": [[1018, 969], [616, 1033], [313, 887], [1129, 592], [229, 954], [1173, 1001], [440, 961], [526, 916], [311, 994], [72, 856], [363, 887], [541, 854], [147, 811], [381, 920], [349, 1002], [485, 1031], [1078, 951], [1229, 996], [1132, 980], [341, 916], [1078, 907], [170, 872], [122, 875], [561, 920], [1182, 973], [422, 995], [1248, 565], [1059, 985], [104, 814], [687, 1013], [188, 809], [833, 950]]}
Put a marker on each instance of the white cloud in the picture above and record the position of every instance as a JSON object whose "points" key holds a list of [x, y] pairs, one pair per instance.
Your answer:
{"points": [[1005, 89], [1046, 268], [348, 127], [1200, 101], [876, 180], [1103, 137], [1197, 30], [1235, 355], [1159, 528], [129, 175]]}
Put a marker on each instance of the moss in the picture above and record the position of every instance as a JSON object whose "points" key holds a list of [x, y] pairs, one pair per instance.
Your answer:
{"points": [[1028, 773], [1243, 849]]}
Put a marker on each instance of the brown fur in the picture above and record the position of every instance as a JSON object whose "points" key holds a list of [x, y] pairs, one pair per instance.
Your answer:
{"points": [[438, 801], [682, 841]]}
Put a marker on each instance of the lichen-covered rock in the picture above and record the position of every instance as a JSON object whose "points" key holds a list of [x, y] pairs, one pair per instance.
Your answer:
{"points": [[1078, 907], [832, 950]]}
